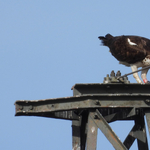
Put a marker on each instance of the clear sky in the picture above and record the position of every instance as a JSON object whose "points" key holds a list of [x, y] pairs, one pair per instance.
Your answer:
{"points": [[48, 46]]}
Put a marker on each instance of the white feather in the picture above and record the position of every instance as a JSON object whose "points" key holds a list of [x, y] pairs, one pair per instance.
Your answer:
{"points": [[131, 43]]}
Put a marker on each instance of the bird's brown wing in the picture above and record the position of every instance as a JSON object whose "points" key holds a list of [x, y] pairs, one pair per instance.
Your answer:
{"points": [[130, 49]]}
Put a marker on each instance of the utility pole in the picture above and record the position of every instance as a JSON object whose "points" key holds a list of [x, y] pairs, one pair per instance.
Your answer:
{"points": [[93, 107]]}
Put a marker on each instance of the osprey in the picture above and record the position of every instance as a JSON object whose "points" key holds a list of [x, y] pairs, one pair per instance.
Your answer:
{"points": [[133, 51]]}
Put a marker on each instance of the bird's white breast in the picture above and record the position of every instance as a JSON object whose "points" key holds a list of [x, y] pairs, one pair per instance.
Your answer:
{"points": [[146, 62]]}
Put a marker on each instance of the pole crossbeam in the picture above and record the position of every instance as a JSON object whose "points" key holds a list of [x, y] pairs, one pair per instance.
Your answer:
{"points": [[93, 107]]}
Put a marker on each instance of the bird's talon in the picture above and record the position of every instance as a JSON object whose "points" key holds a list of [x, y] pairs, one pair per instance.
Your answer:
{"points": [[148, 82]]}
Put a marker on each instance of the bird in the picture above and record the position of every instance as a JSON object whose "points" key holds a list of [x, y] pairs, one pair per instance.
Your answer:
{"points": [[131, 51]]}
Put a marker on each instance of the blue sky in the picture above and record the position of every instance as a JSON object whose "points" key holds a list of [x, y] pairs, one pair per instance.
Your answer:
{"points": [[48, 46]]}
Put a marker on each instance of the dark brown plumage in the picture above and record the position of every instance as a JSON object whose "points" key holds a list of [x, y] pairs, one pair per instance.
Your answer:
{"points": [[131, 51]]}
